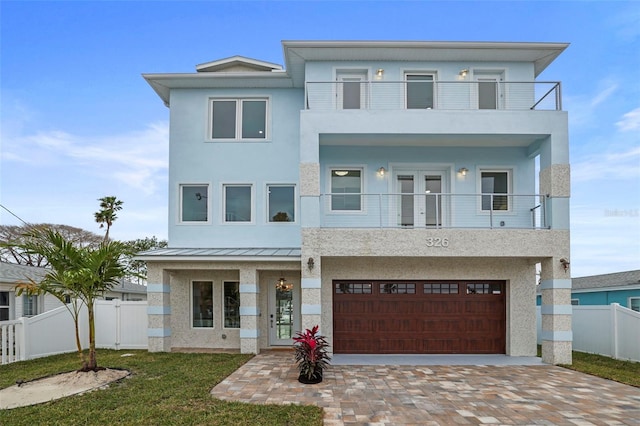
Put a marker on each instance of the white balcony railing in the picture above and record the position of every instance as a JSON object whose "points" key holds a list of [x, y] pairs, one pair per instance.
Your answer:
{"points": [[425, 95], [489, 211]]}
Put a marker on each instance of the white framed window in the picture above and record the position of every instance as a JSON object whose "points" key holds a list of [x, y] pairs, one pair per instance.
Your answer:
{"points": [[231, 297], [29, 305], [281, 203], [4, 306], [575, 302], [238, 119], [346, 189], [194, 203], [634, 303], [495, 185], [202, 304], [419, 90], [238, 204]]}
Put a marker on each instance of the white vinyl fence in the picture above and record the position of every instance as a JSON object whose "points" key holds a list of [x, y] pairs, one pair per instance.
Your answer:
{"points": [[610, 330], [119, 325]]}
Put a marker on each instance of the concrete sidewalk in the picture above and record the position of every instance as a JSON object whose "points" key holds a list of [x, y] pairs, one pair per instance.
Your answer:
{"points": [[438, 395]]}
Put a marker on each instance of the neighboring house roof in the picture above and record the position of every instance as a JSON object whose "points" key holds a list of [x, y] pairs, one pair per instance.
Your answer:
{"points": [[627, 280], [212, 254], [242, 72], [129, 287], [13, 273]]}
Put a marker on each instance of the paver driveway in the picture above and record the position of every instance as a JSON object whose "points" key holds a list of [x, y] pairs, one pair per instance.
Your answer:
{"points": [[438, 395]]}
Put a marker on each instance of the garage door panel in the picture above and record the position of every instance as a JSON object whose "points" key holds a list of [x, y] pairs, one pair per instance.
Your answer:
{"points": [[463, 317]]}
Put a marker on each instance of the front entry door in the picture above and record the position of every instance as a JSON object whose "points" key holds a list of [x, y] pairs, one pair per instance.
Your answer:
{"points": [[421, 201], [284, 312]]}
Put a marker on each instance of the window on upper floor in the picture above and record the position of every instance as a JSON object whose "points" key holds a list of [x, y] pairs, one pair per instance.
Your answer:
{"points": [[231, 290], [634, 303], [202, 304], [194, 203], [281, 200], [238, 119], [493, 184], [419, 88], [346, 181], [237, 203], [29, 305]]}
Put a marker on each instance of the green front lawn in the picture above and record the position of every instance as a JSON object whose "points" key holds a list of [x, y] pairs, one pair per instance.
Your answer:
{"points": [[626, 372], [165, 388]]}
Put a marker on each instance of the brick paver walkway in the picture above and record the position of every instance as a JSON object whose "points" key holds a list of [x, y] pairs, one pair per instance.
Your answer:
{"points": [[438, 395]]}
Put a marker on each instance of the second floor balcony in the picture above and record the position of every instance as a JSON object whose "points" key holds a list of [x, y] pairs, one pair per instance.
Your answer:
{"points": [[431, 94], [434, 211]]}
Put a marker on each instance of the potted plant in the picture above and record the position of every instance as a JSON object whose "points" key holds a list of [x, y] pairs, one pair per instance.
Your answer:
{"points": [[311, 355]]}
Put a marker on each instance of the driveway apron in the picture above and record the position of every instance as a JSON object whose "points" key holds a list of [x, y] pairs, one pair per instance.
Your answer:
{"points": [[437, 394]]}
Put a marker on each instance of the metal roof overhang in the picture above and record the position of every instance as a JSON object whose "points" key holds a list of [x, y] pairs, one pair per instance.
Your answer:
{"points": [[286, 254]]}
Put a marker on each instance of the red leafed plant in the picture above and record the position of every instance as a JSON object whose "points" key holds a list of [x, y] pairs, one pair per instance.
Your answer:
{"points": [[311, 352]]}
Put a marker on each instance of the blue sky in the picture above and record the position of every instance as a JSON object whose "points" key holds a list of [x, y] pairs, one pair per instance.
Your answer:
{"points": [[78, 122]]}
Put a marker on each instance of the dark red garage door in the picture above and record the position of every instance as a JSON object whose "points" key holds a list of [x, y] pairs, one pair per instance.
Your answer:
{"points": [[419, 317]]}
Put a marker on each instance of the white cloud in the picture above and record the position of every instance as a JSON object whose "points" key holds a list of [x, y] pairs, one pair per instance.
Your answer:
{"points": [[630, 121], [584, 107], [604, 166]]}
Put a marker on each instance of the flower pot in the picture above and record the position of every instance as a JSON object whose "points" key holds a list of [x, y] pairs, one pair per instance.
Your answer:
{"points": [[316, 378]]}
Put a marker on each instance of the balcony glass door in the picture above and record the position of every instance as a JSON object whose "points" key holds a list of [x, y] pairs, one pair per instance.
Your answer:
{"points": [[352, 89], [420, 201]]}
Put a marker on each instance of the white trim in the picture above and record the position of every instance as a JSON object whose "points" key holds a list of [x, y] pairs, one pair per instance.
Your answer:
{"points": [[295, 203], [412, 71], [363, 188], [208, 204], [239, 118], [630, 298], [224, 203], [511, 171]]}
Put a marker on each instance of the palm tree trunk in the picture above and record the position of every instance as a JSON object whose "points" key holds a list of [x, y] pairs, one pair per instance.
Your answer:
{"points": [[93, 363]]}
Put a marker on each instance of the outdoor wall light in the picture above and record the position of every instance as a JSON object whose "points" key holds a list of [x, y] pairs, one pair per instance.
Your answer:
{"points": [[310, 263], [340, 172], [463, 73], [382, 171], [565, 264], [380, 73], [463, 171]]}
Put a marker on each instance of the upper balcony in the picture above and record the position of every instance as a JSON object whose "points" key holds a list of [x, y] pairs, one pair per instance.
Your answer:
{"points": [[429, 94]]}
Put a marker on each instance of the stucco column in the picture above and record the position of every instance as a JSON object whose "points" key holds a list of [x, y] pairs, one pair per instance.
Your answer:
{"points": [[311, 296], [249, 311], [557, 335], [158, 309]]}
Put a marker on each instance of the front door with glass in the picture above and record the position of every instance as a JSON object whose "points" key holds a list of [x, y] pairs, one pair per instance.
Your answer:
{"points": [[284, 312]]}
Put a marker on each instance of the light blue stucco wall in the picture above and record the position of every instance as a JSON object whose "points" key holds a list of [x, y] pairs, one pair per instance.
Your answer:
{"points": [[195, 159]]}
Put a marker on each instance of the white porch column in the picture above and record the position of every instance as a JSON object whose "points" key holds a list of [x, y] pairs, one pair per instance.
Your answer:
{"points": [[158, 309], [249, 311]]}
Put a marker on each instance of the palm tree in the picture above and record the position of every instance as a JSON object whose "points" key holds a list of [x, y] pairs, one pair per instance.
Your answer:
{"points": [[107, 214], [83, 273]]}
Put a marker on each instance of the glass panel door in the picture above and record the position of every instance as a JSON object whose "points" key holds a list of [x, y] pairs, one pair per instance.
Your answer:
{"points": [[352, 90], [284, 312], [433, 200], [420, 200], [405, 183]]}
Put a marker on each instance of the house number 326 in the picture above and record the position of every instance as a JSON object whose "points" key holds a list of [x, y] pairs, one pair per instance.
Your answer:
{"points": [[437, 242]]}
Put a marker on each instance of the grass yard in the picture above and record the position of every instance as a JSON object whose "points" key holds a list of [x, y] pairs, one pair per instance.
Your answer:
{"points": [[626, 372], [165, 388]]}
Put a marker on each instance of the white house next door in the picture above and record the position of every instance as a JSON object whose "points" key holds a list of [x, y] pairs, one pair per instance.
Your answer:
{"points": [[284, 312]]}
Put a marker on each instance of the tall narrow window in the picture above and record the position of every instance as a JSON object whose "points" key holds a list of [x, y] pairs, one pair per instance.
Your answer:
{"points": [[238, 119], [419, 91], [29, 305], [495, 183], [4, 306], [352, 89], [237, 203], [346, 182], [281, 203], [231, 304], [202, 300], [194, 203]]}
